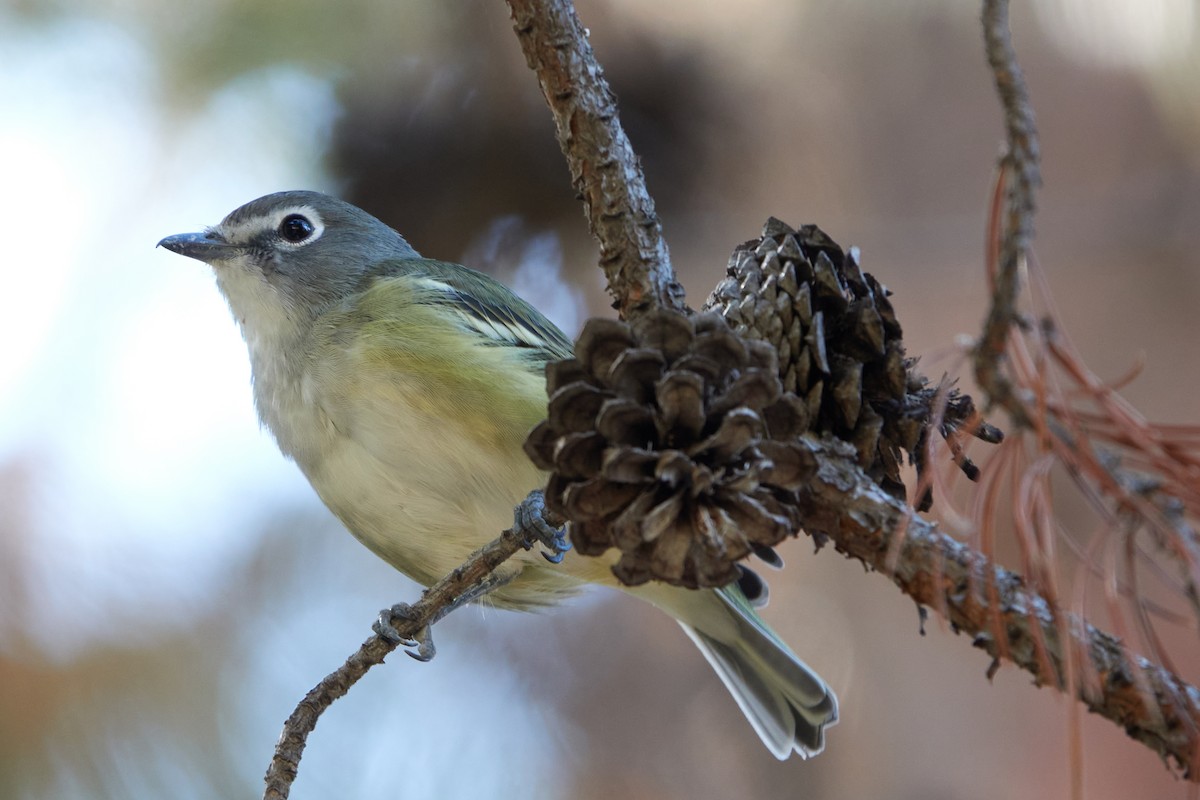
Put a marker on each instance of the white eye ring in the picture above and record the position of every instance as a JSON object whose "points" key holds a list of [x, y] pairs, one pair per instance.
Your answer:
{"points": [[298, 226], [296, 229]]}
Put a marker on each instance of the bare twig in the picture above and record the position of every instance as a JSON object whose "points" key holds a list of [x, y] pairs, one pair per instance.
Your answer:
{"points": [[434, 604], [938, 571], [604, 169], [1128, 468], [1021, 162], [1017, 369]]}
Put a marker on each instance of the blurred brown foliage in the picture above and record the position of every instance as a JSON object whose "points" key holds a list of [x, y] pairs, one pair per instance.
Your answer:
{"points": [[875, 121]]}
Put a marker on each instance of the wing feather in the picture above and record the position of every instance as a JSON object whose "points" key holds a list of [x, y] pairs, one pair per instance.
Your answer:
{"points": [[481, 305]]}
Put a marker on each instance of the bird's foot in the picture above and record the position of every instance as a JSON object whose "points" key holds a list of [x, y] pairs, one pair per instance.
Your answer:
{"points": [[529, 519], [422, 640]]}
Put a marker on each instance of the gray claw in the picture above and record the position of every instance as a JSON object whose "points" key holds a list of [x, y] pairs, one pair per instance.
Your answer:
{"points": [[423, 641], [425, 650], [530, 519]]}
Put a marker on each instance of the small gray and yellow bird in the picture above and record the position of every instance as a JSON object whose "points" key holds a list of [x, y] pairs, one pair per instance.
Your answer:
{"points": [[404, 388]]}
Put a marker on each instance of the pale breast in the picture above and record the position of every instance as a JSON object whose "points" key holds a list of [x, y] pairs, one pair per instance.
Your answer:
{"points": [[422, 484], [437, 498]]}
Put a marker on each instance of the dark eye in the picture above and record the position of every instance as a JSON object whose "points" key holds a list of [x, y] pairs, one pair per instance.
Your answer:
{"points": [[295, 228]]}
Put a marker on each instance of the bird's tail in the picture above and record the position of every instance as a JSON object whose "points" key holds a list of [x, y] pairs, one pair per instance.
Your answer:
{"points": [[783, 698]]}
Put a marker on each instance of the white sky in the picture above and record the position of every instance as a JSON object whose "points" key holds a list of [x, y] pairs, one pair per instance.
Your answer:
{"points": [[125, 382]]}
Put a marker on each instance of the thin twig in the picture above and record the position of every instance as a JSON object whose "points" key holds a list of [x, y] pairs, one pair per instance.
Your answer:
{"points": [[846, 506], [434, 604], [1021, 162], [604, 169]]}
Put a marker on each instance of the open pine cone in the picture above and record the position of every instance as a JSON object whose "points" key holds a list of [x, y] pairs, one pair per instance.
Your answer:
{"points": [[672, 440], [681, 441], [839, 347]]}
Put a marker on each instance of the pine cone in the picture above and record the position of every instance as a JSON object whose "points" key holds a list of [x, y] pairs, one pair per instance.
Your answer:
{"points": [[672, 440], [839, 347]]}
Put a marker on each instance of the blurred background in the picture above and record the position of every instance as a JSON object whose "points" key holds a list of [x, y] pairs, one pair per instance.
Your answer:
{"points": [[170, 586]]}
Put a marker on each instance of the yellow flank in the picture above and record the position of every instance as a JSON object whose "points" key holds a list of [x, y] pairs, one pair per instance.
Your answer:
{"points": [[442, 416], [458, 379]]}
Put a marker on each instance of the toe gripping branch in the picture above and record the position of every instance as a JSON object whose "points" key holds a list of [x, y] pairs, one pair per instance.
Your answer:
{"points": [[530, 522], [529, 519], [422, 640]]}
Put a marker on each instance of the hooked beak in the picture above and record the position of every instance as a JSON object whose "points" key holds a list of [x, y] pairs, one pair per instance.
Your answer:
{"points": [[207, 246]]}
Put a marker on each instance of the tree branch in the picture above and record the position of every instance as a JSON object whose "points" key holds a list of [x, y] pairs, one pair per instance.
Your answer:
{"points": [[843, 504], [1021, 161], [435, 603], [993, 605], [604, 169]]}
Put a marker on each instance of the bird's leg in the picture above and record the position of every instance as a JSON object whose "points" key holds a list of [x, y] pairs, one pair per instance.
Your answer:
{"points": [[423, 639], [529, 519]]}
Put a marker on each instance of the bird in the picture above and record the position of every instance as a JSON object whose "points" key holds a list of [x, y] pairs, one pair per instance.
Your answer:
{"points": [[404, 387]]}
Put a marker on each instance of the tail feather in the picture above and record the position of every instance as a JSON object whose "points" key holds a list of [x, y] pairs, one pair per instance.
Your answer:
{"points": [[785, 701]]}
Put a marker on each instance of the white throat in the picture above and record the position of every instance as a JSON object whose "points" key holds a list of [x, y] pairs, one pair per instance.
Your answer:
{"points": [[276, 332]]}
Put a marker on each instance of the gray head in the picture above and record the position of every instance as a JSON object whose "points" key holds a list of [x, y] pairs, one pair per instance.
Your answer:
{"points": [[288, 256]]}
